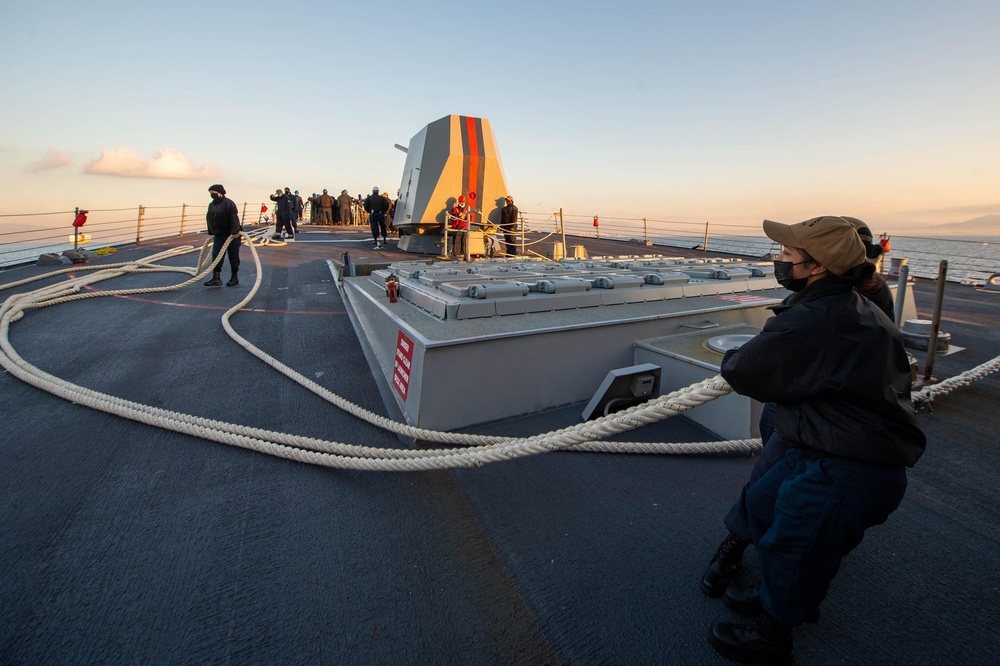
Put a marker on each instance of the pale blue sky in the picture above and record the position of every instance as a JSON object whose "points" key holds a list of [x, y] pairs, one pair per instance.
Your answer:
{"points": [[692, 111]]}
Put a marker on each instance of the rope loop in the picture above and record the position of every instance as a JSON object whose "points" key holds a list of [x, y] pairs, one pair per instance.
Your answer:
{"points": [[476, 450]]}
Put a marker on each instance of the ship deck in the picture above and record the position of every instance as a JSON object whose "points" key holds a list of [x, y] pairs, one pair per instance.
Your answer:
{"points": [[125, 543]]}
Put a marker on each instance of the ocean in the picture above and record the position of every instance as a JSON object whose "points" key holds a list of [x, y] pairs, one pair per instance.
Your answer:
{"points": [[970, 260]]}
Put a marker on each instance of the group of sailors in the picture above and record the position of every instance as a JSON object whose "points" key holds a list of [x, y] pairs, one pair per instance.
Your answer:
{"points": [[326, 209], [377, 209], [461, 217], [321, 208]]}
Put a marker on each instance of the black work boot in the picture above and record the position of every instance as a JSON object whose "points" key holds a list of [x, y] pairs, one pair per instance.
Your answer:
{"points": [[762, 641], [724, 565], [743, 599], [216, 281], [233, 281]]}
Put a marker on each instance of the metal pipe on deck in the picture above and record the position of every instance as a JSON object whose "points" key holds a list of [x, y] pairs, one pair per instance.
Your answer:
{"points": [[901, 282], [562, 229], [936, 319], [76, 229], [521, 215], [138, 224]]}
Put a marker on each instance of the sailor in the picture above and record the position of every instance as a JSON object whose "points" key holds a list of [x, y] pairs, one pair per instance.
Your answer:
{"points": [[508, 222], [376, 207], [344, 202], [299, 208], [285, 212], [459, 222], [728, 557], [325, 208], [879, 294], [224, 222], [392, 210], [313, 208], [847, 421]]}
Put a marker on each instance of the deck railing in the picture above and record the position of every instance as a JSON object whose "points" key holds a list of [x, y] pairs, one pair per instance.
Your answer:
{"points": [[26, 236]]}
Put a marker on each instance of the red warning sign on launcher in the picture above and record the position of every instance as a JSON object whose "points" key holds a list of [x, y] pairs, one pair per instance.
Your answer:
{"points": [[401, 365]]}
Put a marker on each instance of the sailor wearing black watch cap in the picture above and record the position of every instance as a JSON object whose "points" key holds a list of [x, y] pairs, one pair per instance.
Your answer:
{"points": [[224, 221]]}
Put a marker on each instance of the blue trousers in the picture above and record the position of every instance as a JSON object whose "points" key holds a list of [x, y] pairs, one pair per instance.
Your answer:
{"points": [[284, 223], [232, 252], [805, 515], [377, 223], [738, 519], [774, 449]]}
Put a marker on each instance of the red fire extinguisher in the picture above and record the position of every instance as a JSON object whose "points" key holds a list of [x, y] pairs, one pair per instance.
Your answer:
{"points": [[392, 288]]}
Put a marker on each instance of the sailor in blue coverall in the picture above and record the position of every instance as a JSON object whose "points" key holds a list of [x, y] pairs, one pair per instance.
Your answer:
{"points": [[834, 365]]}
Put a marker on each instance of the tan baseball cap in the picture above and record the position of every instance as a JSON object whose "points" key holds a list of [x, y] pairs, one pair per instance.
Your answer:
{"points": [[862, 227], [830, 240]]}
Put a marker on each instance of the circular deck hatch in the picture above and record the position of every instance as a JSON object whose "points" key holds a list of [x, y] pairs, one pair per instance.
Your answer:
{"points": [[723, 343]]}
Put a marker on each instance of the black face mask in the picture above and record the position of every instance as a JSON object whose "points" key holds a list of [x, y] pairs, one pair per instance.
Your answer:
{"points": [[215, 196], [783, 274]]}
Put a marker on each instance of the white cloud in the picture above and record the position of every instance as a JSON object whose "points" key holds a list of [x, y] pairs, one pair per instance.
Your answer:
{"points": [[166, 163], [53, 160]]}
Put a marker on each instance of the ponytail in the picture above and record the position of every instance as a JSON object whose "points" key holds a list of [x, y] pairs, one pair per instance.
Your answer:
{"points": [[862, 277]]}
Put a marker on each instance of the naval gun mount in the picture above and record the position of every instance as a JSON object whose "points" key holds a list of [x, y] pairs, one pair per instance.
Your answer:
{"points": [[451, 157], [506, 337]]}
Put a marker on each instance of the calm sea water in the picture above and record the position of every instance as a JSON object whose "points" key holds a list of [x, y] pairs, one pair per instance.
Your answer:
{"points": [[970, 260]]}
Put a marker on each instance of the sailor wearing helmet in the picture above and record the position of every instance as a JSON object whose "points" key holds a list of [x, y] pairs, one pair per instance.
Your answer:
{"points": [[376, 206]]}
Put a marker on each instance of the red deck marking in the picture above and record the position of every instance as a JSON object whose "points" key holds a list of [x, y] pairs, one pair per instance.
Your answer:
{"points": [[195, 306]]}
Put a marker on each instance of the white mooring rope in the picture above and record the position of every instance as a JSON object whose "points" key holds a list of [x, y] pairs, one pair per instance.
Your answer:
{"points": [[946, 386], [481, 449]]}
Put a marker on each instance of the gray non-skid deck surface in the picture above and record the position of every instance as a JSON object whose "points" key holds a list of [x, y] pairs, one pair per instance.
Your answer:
{"points": [[123, 543]]}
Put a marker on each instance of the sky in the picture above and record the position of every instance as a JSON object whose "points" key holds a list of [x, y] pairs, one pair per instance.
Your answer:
{"points": [[718, 111]]}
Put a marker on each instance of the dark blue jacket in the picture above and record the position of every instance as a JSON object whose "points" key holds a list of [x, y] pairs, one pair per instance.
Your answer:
{"points": [[223, 218], [376, 203], [836, 367], [285, 208]]}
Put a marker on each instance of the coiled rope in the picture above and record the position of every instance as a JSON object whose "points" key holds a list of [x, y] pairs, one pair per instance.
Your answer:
{"points": [[482, 449]]}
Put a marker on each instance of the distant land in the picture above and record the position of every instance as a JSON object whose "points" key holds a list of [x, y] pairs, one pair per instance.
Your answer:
{"points": [[987, 225]]}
